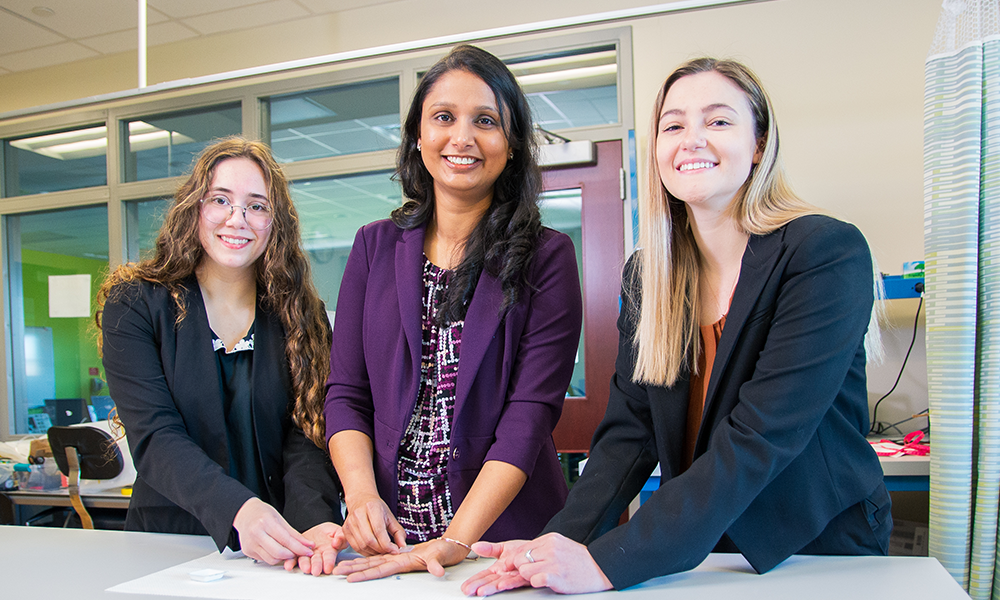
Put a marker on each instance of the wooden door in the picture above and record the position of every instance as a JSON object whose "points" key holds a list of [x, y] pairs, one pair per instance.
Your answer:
{"points": [[602, 254]]}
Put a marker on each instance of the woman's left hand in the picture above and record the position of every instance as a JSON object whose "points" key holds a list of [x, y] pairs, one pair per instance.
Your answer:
{"points": [[329, 540], [432, 556], [551, 561]]}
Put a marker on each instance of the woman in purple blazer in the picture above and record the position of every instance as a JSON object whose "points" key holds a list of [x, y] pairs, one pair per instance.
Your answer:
{"points": [[457, 325]]}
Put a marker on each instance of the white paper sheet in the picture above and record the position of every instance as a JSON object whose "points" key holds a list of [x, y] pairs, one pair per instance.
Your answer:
{"points": [[245, 580], [69, 296], [720, 577]]}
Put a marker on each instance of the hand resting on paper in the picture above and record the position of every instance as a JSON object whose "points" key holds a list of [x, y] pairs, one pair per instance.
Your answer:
{"points": [[555, 562], [329, 540], [432, 556]]}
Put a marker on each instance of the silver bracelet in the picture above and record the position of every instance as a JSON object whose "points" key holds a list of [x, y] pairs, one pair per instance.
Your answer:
{"points": [[462, 544]]}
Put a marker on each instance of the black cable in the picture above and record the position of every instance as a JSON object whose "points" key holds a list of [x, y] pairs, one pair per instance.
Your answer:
{"points": [[916, 320], [920, 415]]}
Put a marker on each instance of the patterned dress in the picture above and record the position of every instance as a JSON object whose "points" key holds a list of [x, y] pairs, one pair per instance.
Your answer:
{"points": [[425, 507]]}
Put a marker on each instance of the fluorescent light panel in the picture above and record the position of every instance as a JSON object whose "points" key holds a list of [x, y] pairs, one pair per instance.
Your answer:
{"points": [[93, 141]]}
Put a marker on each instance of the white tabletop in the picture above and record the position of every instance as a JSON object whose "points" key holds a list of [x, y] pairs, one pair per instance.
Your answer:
{"points": [[77, 564], [906, 465]]}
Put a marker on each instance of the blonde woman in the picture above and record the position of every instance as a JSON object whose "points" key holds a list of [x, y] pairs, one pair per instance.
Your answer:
{"points": [[741, 368]]}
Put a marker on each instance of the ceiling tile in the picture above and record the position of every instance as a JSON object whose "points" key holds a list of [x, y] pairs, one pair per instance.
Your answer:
{"points": [[329, 6], [19, 34], [189, 8], [76, 19], [247, 17], [126, 41], [45, 57]]}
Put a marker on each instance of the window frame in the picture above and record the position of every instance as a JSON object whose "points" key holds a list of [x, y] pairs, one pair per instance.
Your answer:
{"points": [[252, 93]]}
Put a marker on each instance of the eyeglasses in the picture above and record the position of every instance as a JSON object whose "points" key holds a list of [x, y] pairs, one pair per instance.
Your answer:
{"points": [[218, 210]]}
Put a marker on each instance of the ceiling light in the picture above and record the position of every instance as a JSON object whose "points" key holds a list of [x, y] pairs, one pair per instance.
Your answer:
{"points": [[93, 141], [43, 11], [79, 143], [605, 57], [567, 75]]}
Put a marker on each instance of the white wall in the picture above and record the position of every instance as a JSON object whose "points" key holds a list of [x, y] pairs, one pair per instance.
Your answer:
{"points": [[846, 78]]}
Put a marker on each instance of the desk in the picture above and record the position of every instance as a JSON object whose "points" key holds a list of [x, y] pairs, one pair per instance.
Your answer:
{"points": [[903, 473], [107, 499], [81, 564], [112, 498], [906, 473]]}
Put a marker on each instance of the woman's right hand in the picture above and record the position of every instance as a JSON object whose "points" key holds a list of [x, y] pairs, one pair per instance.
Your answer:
{"points": [[266, 536], [552, 561], [371, 529]]}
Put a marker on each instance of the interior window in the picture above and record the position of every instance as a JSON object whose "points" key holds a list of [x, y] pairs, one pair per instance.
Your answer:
{"points": [[56, 261]]}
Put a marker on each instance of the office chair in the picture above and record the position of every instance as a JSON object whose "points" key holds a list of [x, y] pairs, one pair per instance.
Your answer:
{"points": [[84, 453]]}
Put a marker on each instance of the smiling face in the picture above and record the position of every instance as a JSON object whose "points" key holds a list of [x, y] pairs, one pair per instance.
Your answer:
{"points": [[232, 244], [462, 142], [705, 143]]}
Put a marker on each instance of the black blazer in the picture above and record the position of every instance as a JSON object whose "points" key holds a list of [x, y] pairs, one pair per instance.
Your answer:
{"points": [[781, 461], [166, 383]]}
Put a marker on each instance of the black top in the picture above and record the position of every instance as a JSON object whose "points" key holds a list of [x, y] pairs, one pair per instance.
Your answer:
{"points": [[237, 391], [164, 379]]}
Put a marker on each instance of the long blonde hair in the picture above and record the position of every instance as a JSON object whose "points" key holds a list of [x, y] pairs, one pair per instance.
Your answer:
{"points": [[667, 339], [284, 282]]}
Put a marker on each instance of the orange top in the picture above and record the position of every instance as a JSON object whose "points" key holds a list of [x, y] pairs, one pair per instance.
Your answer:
{"points": [[710, 335]]}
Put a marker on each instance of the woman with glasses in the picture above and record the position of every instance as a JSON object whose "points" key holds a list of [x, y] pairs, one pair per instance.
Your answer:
{"points": [[215, 351], [457, 325]]}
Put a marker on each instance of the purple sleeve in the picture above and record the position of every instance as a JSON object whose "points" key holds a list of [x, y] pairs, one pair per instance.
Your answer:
{"points": [[348, 390], [543, 364]]}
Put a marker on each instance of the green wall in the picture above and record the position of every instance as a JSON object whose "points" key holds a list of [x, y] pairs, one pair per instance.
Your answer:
{"points": [[74, 339]]}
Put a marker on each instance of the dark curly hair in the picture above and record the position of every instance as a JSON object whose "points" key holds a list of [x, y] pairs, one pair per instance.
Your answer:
{"points": [[284, 282], [506, 237]]}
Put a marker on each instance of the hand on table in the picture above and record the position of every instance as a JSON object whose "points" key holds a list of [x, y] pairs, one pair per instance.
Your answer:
{"points": [[328, 539], [371, 529], [432, 556], [265, 536], [555, 562]]}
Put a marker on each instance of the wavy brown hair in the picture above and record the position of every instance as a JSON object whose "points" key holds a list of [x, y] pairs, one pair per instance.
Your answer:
{"points": [[284, 281]]}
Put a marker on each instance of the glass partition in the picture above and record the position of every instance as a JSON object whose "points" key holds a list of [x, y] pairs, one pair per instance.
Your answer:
{"points": [[56, 161], [354, 116], [165, 145], [143, 219], [562, 210], [331, 211], [570, 89], [56, 261], [347, 119]]}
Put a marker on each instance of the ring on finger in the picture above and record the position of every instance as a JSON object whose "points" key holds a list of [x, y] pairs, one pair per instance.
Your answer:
{"points": [[530, 558]]}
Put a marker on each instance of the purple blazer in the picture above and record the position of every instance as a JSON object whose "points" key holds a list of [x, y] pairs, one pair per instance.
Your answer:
{"points": [[512, 373]]}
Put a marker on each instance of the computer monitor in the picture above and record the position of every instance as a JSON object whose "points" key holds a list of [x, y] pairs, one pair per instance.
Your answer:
{"points": [[101, 407], [67, 411]]}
